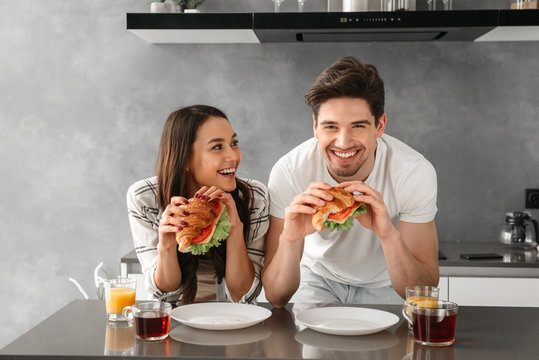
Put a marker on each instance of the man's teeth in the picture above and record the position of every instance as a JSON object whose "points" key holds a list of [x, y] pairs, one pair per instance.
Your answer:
{"points": [[344, 155], [227, 171]]}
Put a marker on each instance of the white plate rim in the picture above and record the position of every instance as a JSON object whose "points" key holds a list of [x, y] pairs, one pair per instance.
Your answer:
{"points": [[303, 318], [256, 313]]}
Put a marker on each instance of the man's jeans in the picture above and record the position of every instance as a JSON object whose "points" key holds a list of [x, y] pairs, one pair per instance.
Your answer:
{"points": [[317, 289]]}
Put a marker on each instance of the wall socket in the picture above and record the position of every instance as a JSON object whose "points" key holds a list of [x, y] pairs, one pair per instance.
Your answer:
{"points": [[532, 198]]}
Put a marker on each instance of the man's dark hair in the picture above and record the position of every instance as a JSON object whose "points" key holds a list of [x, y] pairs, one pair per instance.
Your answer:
{"points": [[348, 77]]}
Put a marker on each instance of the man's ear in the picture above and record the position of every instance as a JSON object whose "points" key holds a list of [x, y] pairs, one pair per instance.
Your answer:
{"points": [[382, 121], [314, 127]]}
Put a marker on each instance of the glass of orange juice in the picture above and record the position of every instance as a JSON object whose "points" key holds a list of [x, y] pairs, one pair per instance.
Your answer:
{"points": [[421, 295], [119, 293]]}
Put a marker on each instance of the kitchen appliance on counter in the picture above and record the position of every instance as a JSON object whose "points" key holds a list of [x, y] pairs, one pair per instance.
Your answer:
{"points": [[520, 230]]}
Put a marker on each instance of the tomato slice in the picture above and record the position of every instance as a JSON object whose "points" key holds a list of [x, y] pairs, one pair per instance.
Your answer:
{"points": [[207, 230], [217, 207], [203, 235], [343, 214]]}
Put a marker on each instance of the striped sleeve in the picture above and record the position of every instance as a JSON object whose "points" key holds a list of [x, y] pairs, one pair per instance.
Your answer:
{"points": [[144, 217]]}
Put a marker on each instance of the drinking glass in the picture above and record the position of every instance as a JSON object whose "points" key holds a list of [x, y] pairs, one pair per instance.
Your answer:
{"points": [[421, 295], [434, 325], [151, 319], [523, 4], [119, 293], [448, 4], [277, 4]]}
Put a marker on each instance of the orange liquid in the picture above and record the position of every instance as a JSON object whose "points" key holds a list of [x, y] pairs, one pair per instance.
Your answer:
{"points": [[118, 298], [422, 302]]}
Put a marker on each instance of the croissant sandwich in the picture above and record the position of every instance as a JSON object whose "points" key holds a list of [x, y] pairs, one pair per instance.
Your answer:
{"points": [[207, 225], [339, 213]]}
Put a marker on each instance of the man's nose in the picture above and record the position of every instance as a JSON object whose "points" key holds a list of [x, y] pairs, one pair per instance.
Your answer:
{"points": [[343, 140]]}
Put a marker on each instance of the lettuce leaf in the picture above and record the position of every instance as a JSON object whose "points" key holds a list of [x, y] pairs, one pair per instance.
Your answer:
{"points": [[332, 225], [221, 233]]}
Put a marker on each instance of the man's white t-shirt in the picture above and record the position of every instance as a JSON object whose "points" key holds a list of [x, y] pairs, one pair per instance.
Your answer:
{"points": [[407, 182]]}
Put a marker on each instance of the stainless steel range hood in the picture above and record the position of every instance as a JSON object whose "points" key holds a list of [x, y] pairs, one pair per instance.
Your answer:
{"points": [[460, 25], [375, 26]]}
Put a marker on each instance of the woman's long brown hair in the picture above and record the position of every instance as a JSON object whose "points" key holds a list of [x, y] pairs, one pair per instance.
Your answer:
{"points": [[179, 134]]}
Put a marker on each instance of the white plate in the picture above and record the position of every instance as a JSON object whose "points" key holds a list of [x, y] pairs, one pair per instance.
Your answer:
{"points": [[189, 335], [347, 320], [220, 315]]}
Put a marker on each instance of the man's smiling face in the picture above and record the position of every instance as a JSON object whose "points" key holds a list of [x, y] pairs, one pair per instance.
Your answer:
{"points": [[346, 132]]}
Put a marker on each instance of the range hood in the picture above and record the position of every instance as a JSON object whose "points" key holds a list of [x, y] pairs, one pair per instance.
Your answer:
{"points": [[458, 25]]}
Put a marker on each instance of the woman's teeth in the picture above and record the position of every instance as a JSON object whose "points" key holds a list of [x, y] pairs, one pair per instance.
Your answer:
{"points": [[345, 155], [227, 171]]}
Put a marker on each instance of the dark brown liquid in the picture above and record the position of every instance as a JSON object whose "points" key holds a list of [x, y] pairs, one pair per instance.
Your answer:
{"points": [[152, 324], [434, 329]]}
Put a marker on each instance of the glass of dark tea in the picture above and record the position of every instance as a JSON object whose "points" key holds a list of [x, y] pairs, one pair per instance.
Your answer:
{"points": [[434, 325], [151, 319]]}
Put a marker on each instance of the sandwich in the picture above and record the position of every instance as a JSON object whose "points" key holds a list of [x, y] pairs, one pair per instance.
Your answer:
{"points": [[339, 213], [208, 224]]}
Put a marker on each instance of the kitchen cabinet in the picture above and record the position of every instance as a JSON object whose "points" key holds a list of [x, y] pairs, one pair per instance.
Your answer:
{"points": [[490, 291], [510, 281], [495, 291], [443, 285]]}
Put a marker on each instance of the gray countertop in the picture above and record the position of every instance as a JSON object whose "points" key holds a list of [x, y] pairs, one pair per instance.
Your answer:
{"points": [[81, 330], [515, 263]]}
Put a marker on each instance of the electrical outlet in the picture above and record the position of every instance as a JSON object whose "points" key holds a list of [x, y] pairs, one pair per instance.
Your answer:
{"points": [[532, 198]]}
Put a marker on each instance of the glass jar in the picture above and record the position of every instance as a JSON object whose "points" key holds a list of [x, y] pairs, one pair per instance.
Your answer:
{"points": [[523, 4]]}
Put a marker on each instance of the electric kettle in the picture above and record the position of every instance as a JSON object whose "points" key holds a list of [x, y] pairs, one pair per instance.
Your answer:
{"points": [[520, 231]]}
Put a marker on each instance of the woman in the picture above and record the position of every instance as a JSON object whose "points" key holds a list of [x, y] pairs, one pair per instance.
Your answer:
{"points": [[198, 157]]}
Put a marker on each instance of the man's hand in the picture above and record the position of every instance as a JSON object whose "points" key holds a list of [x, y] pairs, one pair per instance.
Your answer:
{"points": [[298, 215], [377, 218], [410, 251]]}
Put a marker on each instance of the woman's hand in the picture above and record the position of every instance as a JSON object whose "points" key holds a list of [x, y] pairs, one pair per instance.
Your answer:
{"points": [[214, 193], [172, 221], [299, 214]]}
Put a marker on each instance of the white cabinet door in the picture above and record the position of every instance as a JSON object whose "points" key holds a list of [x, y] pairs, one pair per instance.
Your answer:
{"points": [[142, 294], [443, 285], [483, 291]]}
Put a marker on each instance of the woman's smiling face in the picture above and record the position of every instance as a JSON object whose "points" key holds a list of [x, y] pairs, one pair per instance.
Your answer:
{"points": [[215, 156]]}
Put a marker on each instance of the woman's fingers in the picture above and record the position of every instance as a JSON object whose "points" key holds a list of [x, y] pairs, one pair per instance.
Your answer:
{"points": [[169, 229], [178, 200]]}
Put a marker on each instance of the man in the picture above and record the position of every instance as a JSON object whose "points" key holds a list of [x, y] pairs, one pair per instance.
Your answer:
{"points": [[394, 244]]}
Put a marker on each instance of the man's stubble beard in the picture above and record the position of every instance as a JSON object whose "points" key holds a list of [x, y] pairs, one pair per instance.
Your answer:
{"points": [[346, 172]]}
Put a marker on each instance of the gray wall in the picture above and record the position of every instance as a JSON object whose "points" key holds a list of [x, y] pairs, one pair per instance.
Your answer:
{"points": [[83, 102]]}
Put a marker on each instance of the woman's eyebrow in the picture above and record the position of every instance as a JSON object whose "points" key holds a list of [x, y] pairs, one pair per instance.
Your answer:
{"points": [[221, 139], [217, 140]]}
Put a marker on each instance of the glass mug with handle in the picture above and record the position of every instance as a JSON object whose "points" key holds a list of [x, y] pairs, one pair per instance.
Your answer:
{"points": [[421, 295], [151, 319], [434, 325], [119, 293]]}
